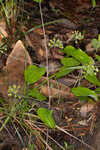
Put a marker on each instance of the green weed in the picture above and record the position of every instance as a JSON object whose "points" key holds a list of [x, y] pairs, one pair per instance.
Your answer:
{"points": [[77, 36], [96, 43], [55, 43]]}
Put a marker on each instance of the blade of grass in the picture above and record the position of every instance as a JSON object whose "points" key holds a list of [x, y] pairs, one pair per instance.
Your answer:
{"points": [[45, 24], [5, 122]]}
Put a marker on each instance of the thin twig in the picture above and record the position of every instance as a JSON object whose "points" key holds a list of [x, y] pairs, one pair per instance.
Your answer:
{"points": [[47, 62], [74, 137]]}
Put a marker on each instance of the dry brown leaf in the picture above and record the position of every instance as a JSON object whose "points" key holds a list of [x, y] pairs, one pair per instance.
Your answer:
{"points": [[13, 72], [18, 54], [3, 32], [3, 24], [57, 90]]}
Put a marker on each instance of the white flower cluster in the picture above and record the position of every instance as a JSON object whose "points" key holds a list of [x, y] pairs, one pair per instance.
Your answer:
{"points": [[14, 91], [55, 43]]}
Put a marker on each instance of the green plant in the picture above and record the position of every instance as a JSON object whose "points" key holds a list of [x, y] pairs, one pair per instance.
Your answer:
{"points": [[19, 111], [14, 91], [24, 110], [19, 108], [77, 36], [90, 69], [9, 11], [96, 43], [66, 145], [76, 59], [31, 146], [3, 45], [32, 75], [46, 116], [93, 3], [55, 43], [84, 92]]}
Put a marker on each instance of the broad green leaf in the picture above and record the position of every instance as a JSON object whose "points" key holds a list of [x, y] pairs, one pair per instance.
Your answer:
{"points": [[45, 115], [35, 93], [78, 54], [38, 1], [33, 74], [82, 91], [69, 62], [63, 71], [82, 57], [69, 50], [98, 57], [93, 79]]}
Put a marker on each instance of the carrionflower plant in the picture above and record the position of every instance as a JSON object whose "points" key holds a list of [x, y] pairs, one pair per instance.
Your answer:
{"points": [[14, 91]]}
